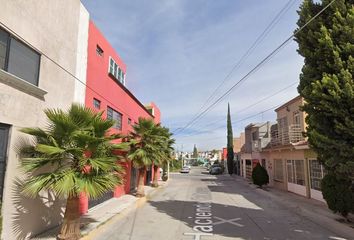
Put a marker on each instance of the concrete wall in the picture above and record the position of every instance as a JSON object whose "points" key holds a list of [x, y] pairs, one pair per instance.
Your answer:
{"points": [[55, 28], [283, 155], [288, 109]]}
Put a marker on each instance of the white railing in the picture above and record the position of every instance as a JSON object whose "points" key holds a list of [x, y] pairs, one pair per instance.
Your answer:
{"points": [[287, 135]]}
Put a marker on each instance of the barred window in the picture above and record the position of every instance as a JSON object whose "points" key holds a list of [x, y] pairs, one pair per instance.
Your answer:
{"points": [[317, 172], [296, 173], [278, 170]]}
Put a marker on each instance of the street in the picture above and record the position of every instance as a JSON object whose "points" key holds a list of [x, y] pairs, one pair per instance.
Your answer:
{"points": [[200, 206]]}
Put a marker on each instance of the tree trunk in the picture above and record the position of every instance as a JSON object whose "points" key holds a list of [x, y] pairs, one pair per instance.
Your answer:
{"points": [[156, 176], [140, 192], [70, 229]]}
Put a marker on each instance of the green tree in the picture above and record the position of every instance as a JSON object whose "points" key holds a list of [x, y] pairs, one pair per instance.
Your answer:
{"points": [[145, 148], [259, 175], [195, 152], [338, 192], [165, 143], [326, 82], [230, 147], [71, 156]]}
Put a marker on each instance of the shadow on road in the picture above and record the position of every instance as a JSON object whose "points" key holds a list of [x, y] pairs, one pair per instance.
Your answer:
{"points": [[248, 214]]}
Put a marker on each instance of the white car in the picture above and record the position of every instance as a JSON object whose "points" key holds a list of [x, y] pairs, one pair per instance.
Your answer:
{"points": [[185, 169]]}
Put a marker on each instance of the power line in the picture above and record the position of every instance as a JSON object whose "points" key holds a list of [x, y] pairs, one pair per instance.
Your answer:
{"points": [[234, 122], [254, 69], [253, 104], [259, 39], [250, 50]]}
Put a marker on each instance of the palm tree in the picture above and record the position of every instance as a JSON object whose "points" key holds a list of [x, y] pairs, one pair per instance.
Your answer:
{"points": [[165, 148], [72, 155], [144, 148]]}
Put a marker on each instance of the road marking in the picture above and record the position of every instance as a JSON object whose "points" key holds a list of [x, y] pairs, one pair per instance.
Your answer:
{"points": [[198, 235], [203, 223], [231, 221]]}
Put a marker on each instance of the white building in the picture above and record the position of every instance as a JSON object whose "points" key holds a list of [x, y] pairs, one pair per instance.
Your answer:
{"points": [[43, 45]]}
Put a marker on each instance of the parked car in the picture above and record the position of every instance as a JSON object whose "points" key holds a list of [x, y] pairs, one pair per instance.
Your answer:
{"points": [[185, 169], [215, 170]]}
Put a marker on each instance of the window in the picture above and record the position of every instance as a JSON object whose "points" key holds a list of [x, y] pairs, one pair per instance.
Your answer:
{"points": [[129, 121], [115, 71], [96, 103], [297, 118], [111, 66], [99, 51], [254, 136], [296, 173], [116, 116], [18, 59], [4, 37], [317, 172], [278, 170]]}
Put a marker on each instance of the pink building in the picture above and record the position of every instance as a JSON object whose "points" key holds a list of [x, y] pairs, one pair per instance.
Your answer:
{"points": [[106, 91]]}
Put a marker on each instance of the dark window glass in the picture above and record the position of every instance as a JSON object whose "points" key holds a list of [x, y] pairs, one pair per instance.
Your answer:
{"points": [[119, 74], [96, 103], [99, 51], [116, 116], [109, 113], [23, 62], [129, 121], [4, 37], [111, 66]]}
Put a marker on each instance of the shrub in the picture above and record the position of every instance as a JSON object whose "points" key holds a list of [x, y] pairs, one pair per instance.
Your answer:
{"points": [[260, 176], [338, 192]]}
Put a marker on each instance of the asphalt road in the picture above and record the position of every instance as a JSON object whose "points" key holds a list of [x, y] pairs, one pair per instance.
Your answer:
{"points": [[200, 206]]}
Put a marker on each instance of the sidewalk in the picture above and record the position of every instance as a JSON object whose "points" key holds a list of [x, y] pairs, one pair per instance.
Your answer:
{"points": [[311, 209], [102, 213]]}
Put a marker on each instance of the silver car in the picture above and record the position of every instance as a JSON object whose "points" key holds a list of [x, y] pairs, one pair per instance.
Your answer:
{"points": [[185, 169]]}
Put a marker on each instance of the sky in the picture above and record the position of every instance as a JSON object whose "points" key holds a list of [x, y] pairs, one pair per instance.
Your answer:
{"points": [[178, 52]]}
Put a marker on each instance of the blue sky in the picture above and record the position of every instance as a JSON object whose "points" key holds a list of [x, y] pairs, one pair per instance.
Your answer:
{"points": [[178, 51]]}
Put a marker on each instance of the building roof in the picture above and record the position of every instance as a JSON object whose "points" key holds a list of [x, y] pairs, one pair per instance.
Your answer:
{"points": [[288, 103]]}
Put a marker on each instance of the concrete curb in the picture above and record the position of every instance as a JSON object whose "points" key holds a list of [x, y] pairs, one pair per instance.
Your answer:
{"points": [[323, 217]]}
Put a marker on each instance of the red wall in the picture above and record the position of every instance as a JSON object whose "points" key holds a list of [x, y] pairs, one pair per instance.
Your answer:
{"points": [[224, 153], [100, 85]]}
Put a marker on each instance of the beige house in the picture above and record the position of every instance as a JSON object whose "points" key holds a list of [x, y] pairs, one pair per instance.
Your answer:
{"points": [[238, 144], [290, 163], [257, 136], [43, 55]]}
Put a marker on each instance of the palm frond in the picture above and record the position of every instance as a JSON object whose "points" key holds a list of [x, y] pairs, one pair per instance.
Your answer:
{"points": [[49, 150], [58, 159]]}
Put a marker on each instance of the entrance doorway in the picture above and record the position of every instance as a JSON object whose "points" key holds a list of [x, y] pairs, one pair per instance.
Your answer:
{"points": [[133, 179], [4, 137]]}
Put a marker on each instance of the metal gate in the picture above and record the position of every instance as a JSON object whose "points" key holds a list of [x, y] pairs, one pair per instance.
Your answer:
{"points": [[133, 179], [148, 176]]}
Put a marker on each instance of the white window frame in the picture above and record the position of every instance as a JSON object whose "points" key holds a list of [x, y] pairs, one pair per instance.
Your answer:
{"points": [[116, 70]]}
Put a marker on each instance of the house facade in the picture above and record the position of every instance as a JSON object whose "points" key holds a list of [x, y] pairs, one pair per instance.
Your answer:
{"points": [[292, 165], [238, 144], [43, 53], [257, 136], [106, 91], [52, 55]]}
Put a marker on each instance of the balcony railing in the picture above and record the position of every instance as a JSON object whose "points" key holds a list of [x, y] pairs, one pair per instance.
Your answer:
{"points": [[286, 135]]}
